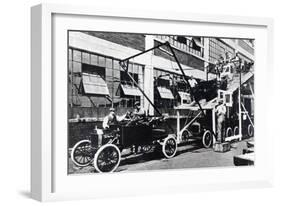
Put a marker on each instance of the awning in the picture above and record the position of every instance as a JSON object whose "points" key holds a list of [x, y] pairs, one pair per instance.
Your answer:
{"points": [[184, 96], [94, 84], [130, 90], [198, 43], [165, 93]]}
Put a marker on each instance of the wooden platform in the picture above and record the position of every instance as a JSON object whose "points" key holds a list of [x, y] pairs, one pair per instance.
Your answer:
{"points": [[244, 159], [222, 147]]}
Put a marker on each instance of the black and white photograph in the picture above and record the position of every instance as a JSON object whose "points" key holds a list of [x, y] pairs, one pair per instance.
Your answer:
{"points": [[142, 102]]}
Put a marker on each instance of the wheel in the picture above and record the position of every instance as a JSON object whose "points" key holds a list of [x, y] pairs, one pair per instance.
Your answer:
{"points": [[169, 147], [250, 130], [229, 132], [146, 148], [107, 158], [236, 131], [81, 153], [207, 139], [184, 135]]}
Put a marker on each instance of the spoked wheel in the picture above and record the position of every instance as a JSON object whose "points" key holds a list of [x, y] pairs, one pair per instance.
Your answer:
{"points": [[236, 130], [146, 148], [185, 135], [229, 132], [169, 147], [107, 158], [207, 139], [81, 153], [250, 130]]}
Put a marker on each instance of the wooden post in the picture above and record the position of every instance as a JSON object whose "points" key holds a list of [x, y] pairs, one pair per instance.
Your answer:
{"points": [[214, 123], [240, 113], [178, 126]]}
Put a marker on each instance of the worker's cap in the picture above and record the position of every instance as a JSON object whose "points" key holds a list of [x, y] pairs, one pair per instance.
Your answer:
{"points": [[137, 104], [112, 109]]}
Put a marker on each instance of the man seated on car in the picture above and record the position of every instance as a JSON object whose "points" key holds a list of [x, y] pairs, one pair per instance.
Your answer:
{"points": [[112, 119]]}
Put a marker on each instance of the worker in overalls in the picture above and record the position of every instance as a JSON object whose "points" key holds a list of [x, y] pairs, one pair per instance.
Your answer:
{"points": [[111, 118], [221, 112]]}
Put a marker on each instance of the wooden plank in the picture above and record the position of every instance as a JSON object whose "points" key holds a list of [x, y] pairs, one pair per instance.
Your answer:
{"points": [[244, 160]]}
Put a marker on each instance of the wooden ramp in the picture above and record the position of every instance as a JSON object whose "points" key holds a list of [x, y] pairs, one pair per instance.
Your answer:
{"points": [[244, 159]]}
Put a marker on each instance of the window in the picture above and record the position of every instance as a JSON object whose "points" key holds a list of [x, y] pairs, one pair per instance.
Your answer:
{"points": [[91, 69], [196, 44], [129, 92], [94, 84], [185, 44], [181, 39]]}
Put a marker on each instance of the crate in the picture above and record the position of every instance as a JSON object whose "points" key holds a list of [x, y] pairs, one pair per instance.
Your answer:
{"points": [[221, 147]]}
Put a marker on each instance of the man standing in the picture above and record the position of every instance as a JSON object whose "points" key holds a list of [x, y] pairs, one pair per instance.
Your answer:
{"points": [[138, 111], [138, 115], [221, 111], [193, 83]]}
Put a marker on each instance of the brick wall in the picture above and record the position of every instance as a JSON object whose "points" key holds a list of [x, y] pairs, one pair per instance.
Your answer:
{"points": [[183, 58], [135, 41]]}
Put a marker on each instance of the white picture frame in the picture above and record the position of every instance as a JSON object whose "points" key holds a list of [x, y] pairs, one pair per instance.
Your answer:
{"points": [[49, 179]]}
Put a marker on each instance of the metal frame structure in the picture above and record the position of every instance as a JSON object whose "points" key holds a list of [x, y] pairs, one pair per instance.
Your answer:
{"points": [[125, 63]]}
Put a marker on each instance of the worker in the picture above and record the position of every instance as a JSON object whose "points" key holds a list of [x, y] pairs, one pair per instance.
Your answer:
{"points": [[111, 118], [138, 116], [192, 82], [193, 86], [221, 112], [138, 110]]}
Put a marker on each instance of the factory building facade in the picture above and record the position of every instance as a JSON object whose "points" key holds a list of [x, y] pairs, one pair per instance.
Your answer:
{"points": [[97, 82]]}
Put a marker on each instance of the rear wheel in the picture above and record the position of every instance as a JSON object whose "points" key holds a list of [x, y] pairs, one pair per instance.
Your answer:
{"points": [[81, 153], [184, 136], [229, 132], [236, 130], [169, 147], [207, 139], [107, 158]]}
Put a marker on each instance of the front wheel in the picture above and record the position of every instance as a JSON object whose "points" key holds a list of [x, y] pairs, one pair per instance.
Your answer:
{"points": [[250, 130], [207, 139], [107, 158], [169, 147], [81, 153]]}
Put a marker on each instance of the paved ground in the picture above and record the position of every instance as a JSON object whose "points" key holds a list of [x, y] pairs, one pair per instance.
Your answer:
{"points": [[191, 155]]}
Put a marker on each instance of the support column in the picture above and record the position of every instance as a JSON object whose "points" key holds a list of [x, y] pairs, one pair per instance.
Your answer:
{"points": [[178, 127], [148, 75], [240, 113], [206, 55], [214, 124]]}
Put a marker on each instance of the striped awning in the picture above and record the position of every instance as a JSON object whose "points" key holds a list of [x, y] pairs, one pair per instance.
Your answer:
{"points": [[165, 93], [130, 90], [94, 84]]}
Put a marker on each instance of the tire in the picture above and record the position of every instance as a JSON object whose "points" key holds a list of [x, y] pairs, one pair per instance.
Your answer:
{"points": [[107, 158], [229, 132], [236, 130], [250, 130], [169, 147], [81, 153], [184, 136], [207, 139], [146, 148]]}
